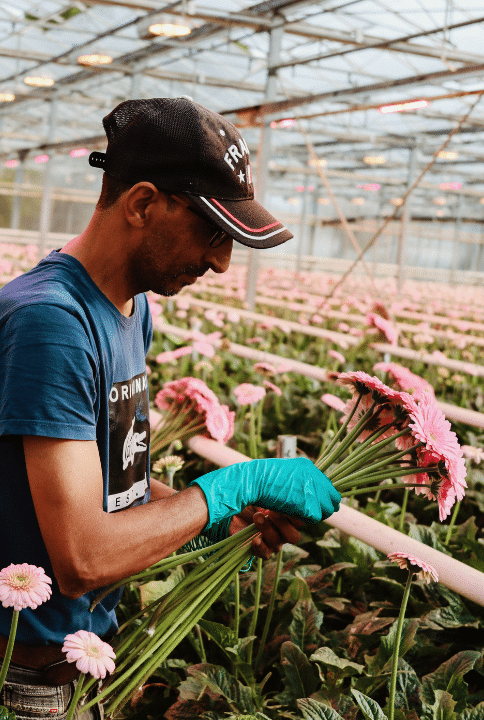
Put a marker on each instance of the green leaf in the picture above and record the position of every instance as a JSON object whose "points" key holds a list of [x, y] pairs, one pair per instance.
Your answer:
{"points": [[407, 687], [476, 713], [298, 590], [304, 628], [370, 708], [300, 677], [455, 614], [216, 678], [427, 536], [449, 677], [326, 656], [156, 589], [6, 714], [382, 660], [314, 710], [221, 634], [443, 707]]}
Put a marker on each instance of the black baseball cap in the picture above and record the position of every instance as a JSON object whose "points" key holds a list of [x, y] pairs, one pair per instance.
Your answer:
{"points": [[182, 147]]}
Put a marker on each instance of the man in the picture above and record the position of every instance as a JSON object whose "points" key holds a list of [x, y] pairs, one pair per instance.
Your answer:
{"points": [[74, 420]]}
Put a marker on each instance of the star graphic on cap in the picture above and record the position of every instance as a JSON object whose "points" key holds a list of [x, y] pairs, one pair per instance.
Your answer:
{"points": [[222, 132], [241, 176]]}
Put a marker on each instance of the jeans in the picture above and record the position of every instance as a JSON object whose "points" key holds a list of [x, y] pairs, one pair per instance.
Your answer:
{"points": [[30, 700]]}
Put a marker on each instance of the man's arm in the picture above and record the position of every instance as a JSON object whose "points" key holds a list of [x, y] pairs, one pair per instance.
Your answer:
{"points": [[89, 548]]}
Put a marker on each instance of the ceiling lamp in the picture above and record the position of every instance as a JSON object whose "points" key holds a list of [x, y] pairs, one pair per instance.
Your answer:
{"points": [[370, 187], [450, 186], [34, 81], [402, 107], [317, 162], [397, 201], [94, 59], [374, 159], [439, 201], [79, 152], [293, 201], [358, 201], [169, 29], [440, 213], [482, 201], [7, 97], [324, 201], [447, 155]]}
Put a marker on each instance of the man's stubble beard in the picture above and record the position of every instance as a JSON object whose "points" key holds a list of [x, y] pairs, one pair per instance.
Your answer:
{"points": [[146, 266]]}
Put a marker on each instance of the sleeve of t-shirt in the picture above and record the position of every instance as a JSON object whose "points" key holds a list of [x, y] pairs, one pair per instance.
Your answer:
{"points": [[47, 375]]}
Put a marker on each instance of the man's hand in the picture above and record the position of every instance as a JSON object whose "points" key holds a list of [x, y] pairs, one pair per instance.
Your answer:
{"points": [[276, 529]]}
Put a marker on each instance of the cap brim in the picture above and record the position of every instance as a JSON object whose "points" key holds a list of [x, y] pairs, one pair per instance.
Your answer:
{"points": [[245, 220]]}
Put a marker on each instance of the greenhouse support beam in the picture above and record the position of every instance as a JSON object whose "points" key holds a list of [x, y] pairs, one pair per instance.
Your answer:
{"points": [[406, 217], [263, 155], [455, 575], [46, 202], [17, 198]]}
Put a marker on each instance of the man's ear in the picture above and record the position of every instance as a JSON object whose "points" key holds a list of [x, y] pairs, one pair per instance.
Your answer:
{"points": [[140, 201]]}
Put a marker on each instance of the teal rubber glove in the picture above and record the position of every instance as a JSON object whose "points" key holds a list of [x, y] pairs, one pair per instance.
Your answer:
{"points": [[292, 486]]}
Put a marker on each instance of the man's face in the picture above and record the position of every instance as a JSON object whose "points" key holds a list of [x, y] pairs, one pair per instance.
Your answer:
{"points": [[175, 251]]}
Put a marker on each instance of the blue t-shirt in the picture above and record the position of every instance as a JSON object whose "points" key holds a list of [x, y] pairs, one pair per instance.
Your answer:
{"points": [[71, 366]]}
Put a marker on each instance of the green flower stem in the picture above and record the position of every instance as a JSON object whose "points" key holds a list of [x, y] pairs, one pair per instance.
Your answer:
{"points": [[252, 434], [169, 628], [75, 698], [339, 434], [255, 613], [393, 486], [9, 650], [175, 629], [392, 459], [452, 522], [328, 460], [368, 451], [403, 510], [270, 611], [383, 474], [237, 606], [396, 647], [203, 654], [172, 562], [259, 414]]}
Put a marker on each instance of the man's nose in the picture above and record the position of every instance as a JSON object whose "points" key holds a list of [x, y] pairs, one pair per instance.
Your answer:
{"points": [[219, 258]]}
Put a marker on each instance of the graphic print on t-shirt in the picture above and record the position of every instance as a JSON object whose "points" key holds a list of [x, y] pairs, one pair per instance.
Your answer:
{"points": [[128, 442]]}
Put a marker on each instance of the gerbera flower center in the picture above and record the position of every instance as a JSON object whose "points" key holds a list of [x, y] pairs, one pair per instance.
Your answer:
{"points": [[93, 652], [20, 581]]}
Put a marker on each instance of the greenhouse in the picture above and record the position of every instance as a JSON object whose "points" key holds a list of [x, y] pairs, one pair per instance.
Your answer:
{"points": [[242, 441]]}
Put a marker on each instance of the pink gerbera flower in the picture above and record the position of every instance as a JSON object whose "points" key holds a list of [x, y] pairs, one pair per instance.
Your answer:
{"points": [[265, 368], [24, 586], [429, 425], [247, 393], [220, 423], [384, 326], [336, 356], [405, 379], [334, 402], [204, 348], [91, 654], [423, 570], [274, 388]]}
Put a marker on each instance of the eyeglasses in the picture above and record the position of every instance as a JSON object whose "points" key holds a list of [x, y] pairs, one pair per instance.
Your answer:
{"points": [[219, 236]]}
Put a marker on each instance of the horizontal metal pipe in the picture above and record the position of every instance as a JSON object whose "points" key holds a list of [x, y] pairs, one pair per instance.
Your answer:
{"points": [[457, 576]]}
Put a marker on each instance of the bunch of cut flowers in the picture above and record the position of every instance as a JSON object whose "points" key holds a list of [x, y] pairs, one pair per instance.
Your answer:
{"points": [[385, 434], [188, 407]]}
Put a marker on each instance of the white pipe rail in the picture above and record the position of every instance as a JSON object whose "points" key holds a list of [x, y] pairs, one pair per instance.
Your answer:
{"points": [[452, 412], [457, 576]]}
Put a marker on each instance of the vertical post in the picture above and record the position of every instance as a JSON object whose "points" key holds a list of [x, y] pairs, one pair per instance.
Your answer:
{"points": [[17, 198], [46, 202], [286, 446], [456, 240], [303, 219], [263, 155], [406, 217]]}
